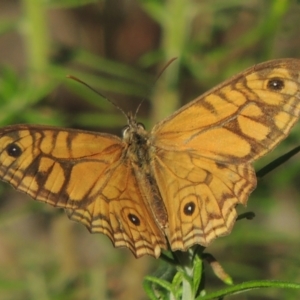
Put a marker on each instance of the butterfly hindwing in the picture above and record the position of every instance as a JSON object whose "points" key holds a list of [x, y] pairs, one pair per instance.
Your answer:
{"points": [[200, 196]]}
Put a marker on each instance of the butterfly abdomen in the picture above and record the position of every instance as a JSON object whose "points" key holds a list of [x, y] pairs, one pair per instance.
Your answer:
{"points": [[139, 155]]}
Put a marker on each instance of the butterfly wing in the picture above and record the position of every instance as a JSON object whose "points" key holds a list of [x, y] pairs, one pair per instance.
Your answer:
{"points": [[203, 151], [87, 174]]}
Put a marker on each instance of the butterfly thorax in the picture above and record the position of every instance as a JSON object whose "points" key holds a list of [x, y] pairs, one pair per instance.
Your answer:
{"points": [[138, 154]]}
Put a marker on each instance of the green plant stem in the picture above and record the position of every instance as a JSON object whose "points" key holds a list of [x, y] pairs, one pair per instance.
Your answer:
{"points": [[175, 28], [35, 36], [186, 262]]}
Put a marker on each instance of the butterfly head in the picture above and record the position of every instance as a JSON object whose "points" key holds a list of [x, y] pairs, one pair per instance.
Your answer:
{"points": [[134, 132]]}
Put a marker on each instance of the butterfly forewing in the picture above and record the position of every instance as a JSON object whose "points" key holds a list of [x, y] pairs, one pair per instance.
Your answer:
{"points": [[50, 161], [253, 111]]}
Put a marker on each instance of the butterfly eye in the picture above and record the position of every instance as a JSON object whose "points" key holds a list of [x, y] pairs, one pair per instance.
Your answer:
{"points": [[189, 208], [141, 125], [13, 150], [134, 219], [125, 130], [275, 84]]}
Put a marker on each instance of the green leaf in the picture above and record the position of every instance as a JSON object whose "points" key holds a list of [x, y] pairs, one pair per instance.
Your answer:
{"points": [[148, 288], [67, 3], [197, 273], [161, 283], [177, 285], [248, 286]]}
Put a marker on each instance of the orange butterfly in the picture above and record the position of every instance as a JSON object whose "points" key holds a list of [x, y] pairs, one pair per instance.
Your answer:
{"points": [[178, 184]]}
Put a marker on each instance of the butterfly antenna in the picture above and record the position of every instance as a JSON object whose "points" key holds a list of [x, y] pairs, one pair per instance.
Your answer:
{"points": [[98, 93], [156, 79]]}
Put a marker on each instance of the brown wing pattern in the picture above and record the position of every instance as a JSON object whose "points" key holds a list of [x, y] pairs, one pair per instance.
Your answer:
{"points": [[239, 120], [120, 211], [86, 174], [200, 196], [203, 151]]}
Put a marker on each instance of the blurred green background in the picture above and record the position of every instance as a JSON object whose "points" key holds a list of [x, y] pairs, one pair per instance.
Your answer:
{"points": [[119, 48]]}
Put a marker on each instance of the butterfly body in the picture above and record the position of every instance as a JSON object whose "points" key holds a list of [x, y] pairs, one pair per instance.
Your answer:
{"points": [[177, 185]]}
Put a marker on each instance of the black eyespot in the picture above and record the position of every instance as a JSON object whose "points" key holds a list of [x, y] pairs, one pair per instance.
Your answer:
{"points": [[13, 150], [275, 84], [189, 208], [134, 219]]}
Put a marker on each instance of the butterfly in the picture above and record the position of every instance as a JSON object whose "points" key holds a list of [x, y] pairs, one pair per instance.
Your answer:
{"points": [[175, 186]]}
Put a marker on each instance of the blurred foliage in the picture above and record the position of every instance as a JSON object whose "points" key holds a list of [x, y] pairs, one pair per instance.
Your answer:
{"points": [[119, 47]]}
